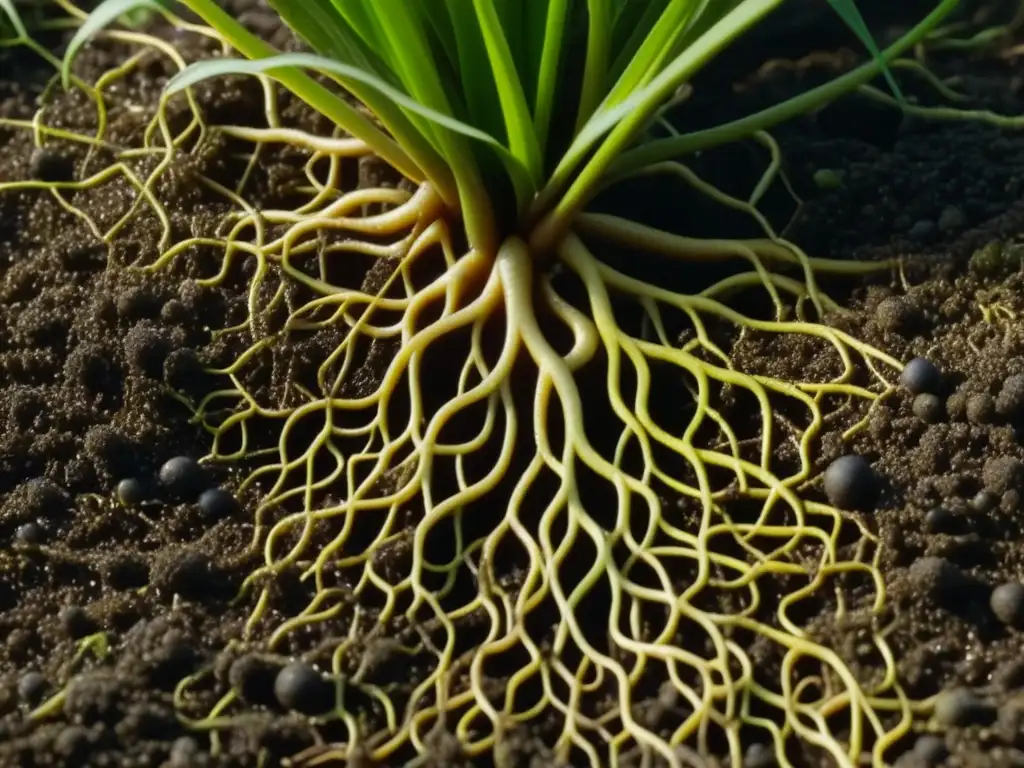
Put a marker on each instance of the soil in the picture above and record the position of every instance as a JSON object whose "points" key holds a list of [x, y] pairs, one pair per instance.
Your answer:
{"points": [[116, 604]]}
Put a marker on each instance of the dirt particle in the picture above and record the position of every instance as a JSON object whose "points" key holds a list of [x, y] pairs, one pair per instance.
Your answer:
{"points": [[111, 452], [896, 315], [137, 303], [980, 408], [930, 749], [1002, 474], [960, 707], [928, 408], [1010, 400], [146, 348], [939, 579], [254, 678], [76, 623], [94, 697]]}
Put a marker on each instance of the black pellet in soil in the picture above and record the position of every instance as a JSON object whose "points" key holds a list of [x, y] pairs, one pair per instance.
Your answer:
{"points": [[217, 504], [921, 376], [300, 687], [131, 492], [1007, 603], [32, 688], [851, 483], [30, 534], [50, 166], [939, 520], [183, 477]]}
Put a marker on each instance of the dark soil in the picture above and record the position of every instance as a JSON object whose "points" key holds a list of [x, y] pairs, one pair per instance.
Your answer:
{"points": [[115, 603]]}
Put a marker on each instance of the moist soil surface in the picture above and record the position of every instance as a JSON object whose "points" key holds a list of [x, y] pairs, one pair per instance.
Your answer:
{"points": [[116, 603]]}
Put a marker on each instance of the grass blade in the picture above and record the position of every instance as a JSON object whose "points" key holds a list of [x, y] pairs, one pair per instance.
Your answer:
{"points": [[848, 11], [105, 14]]}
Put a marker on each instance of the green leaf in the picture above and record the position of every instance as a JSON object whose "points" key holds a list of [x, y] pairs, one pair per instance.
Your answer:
{"points": [[848, 11], [7, 6], [518, 125], [105, 14]]}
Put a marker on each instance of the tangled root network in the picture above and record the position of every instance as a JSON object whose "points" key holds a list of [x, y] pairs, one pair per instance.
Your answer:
{"points": [[522, 495]]}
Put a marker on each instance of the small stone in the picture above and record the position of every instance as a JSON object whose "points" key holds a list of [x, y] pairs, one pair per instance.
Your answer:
{"points": [[851, 483], [928, 408], [959, 708], [1007, 603], [939, 520], [301, 688], [32, 688], [217, 504], [131, 492], [183, 477], [921, 375], [951, 218]]}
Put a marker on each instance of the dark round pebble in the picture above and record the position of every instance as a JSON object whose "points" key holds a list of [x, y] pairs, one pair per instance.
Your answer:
{"points": [[921, 376], [928, 408], [30, 534], [980, 408], [50, 166], [183, 477], [930, 748], [131, 492], [76, 622], [1010, 400], [32, 687], [939, 520], [1007, 603], [959, 708], [302, 688], [851, 483], [217, 504]]}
